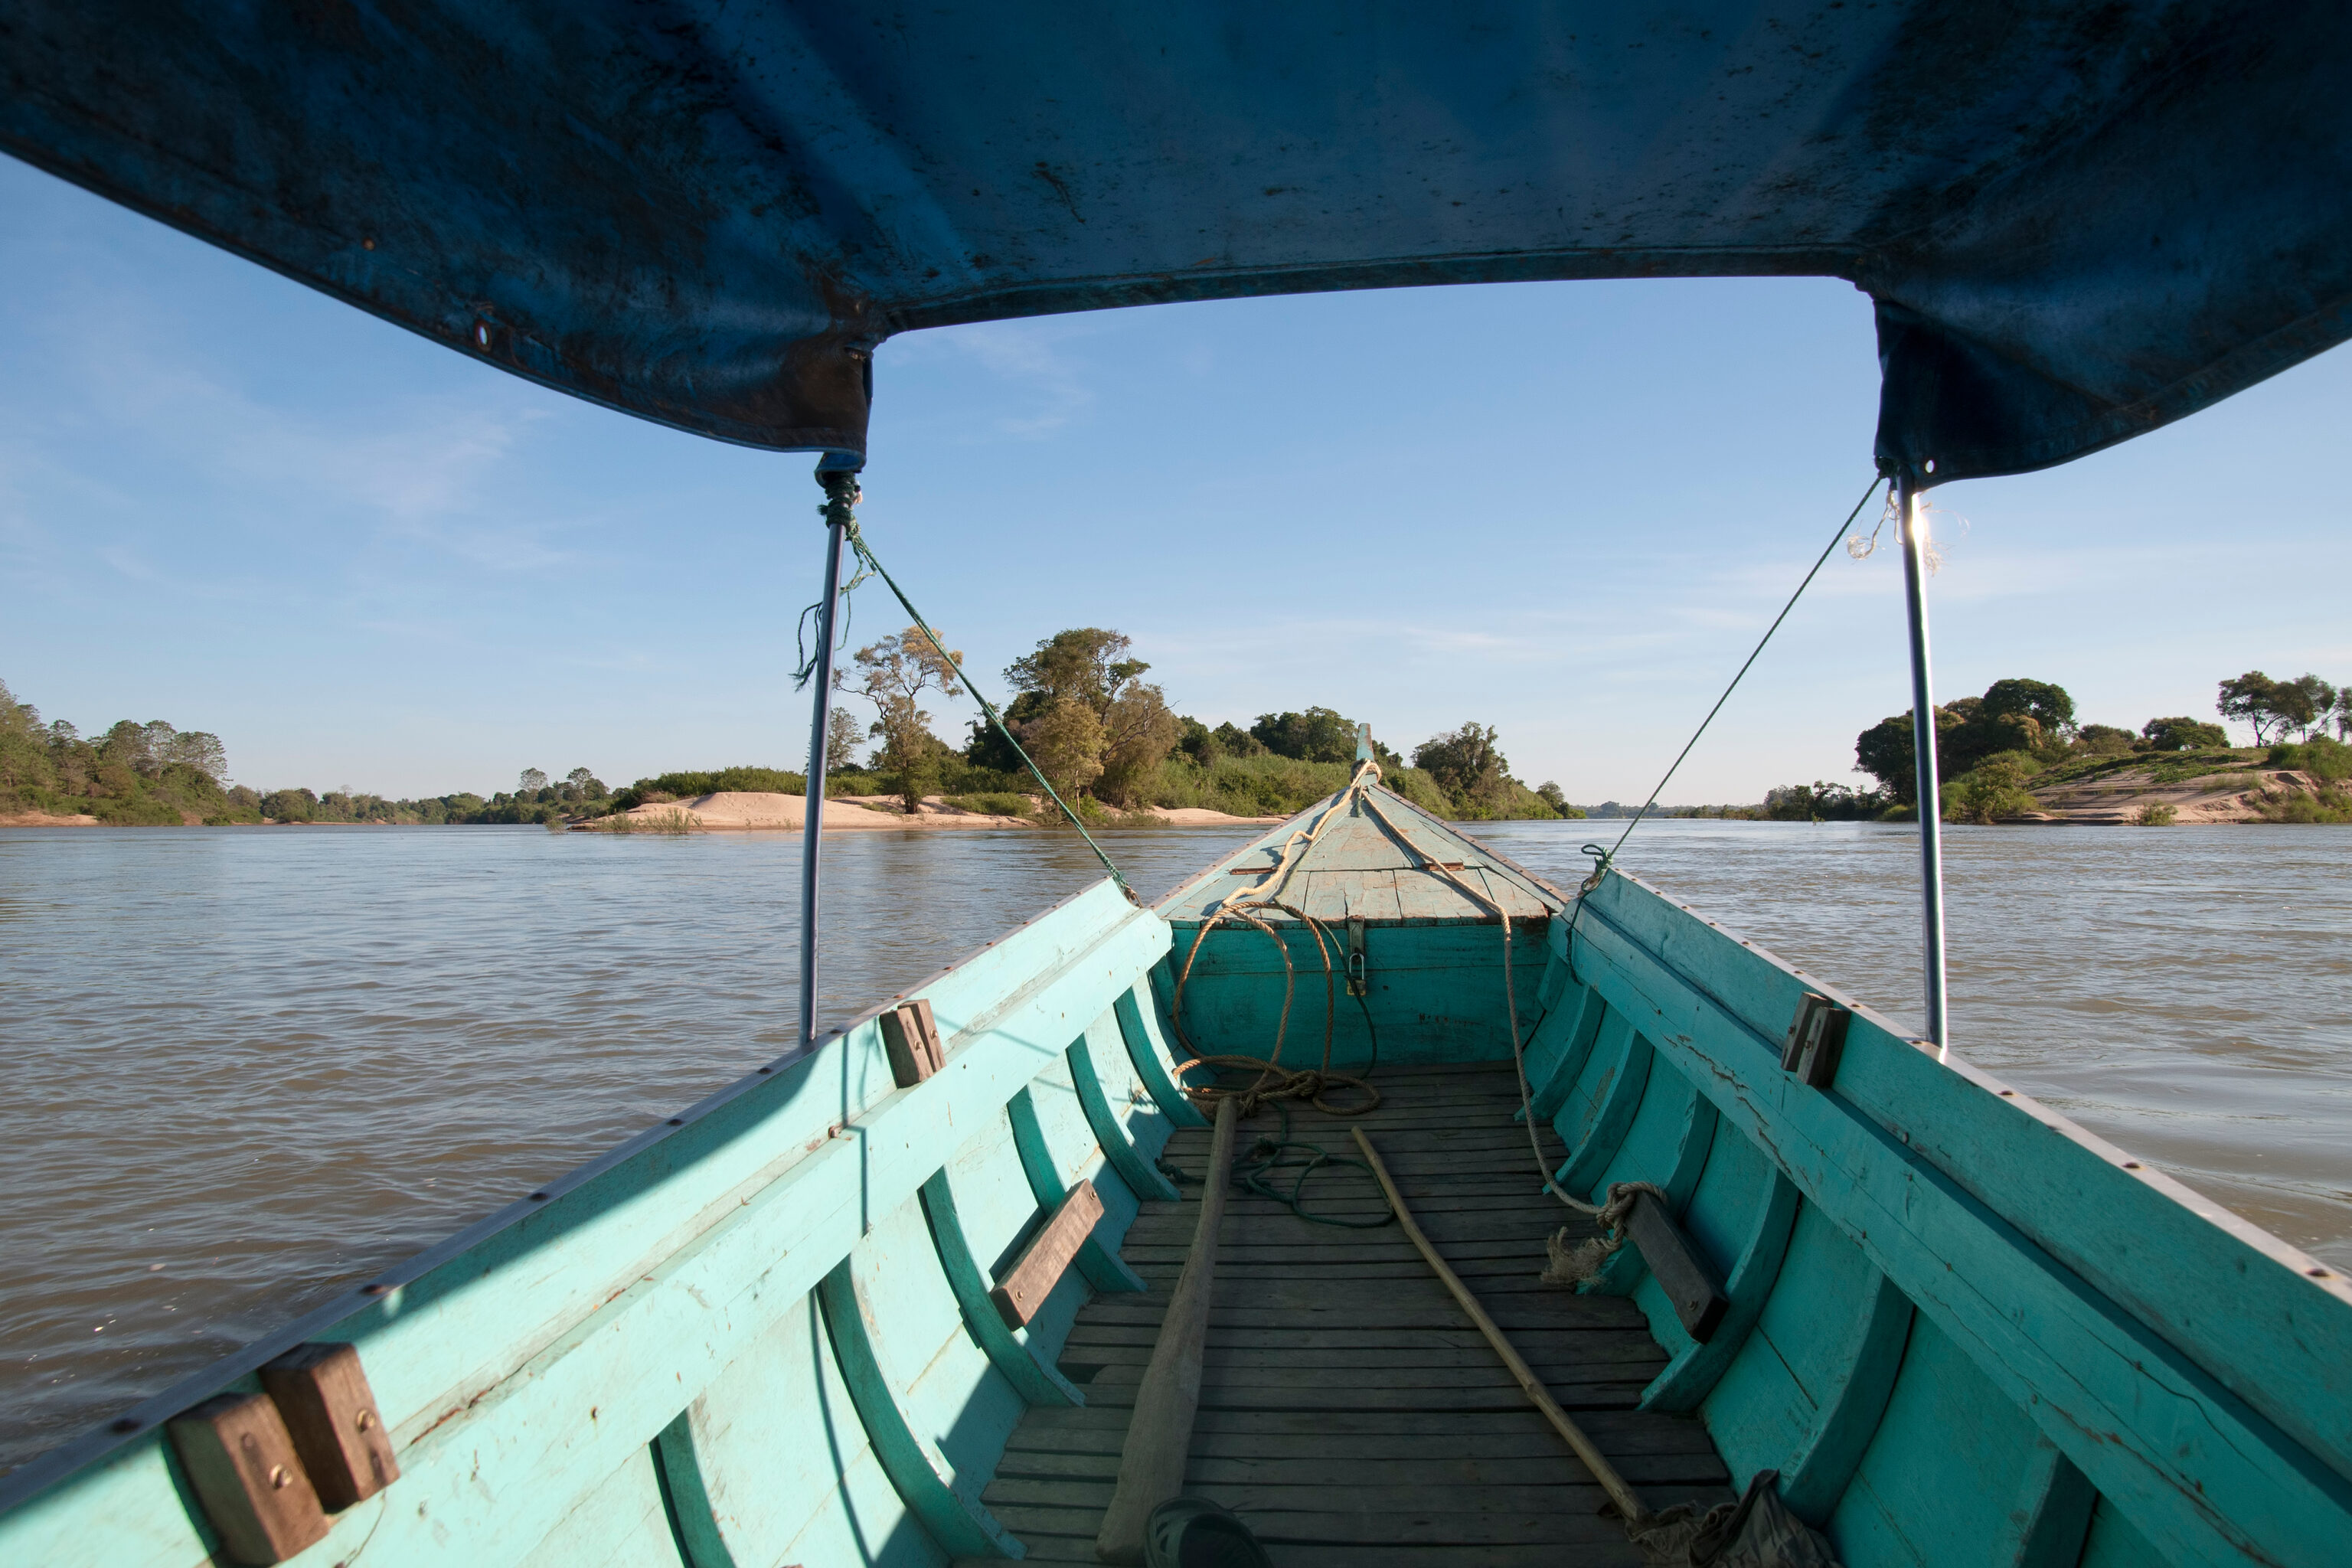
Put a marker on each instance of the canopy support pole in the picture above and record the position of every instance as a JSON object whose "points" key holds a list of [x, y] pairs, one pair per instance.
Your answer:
{"points": [[840, 498], [1912, 527]]}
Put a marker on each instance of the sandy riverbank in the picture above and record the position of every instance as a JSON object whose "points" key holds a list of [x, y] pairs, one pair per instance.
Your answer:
{"points": [[751, 810], [2121, 797]]}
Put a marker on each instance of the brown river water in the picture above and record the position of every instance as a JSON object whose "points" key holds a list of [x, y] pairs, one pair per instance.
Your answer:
{"points": [[251, 1066]]}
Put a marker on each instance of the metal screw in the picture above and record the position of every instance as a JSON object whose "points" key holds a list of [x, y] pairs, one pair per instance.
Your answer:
{"points": [[280, 1477], [367, 1420]]}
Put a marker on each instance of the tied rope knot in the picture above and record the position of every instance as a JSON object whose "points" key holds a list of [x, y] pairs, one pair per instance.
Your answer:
{"points": [[1578, 1266], [842, 495]]}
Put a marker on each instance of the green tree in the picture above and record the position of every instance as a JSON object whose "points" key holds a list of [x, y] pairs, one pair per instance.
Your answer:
{"points": [[1824, 802], [1318, 735], [289, 805], [843, 735], [2182, 735], [894, 673], [2301, 702], [24, 750], [2344, 712], [2106, 740], [1469, 765], [532, 781], [1554, 797], [1067, 741], [1138, 731], [1087, 664], [199, 752], [1236, 742], [2047, 705], [1885, 751], [2253, 698]]}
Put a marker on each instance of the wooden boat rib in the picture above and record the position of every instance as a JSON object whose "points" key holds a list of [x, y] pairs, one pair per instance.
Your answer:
{"points": [[1961, 1329]]}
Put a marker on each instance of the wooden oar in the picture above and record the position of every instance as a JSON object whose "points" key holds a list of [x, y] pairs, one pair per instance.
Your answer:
{"points": [[1628, 1501], [1159, 1435]]}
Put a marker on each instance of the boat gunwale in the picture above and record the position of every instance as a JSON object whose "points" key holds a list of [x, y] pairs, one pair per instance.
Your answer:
{"points": [[2122, 1288], [2330, 1280], [100, 1441]]}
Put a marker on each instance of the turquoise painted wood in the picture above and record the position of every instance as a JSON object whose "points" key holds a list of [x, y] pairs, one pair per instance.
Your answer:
{"points": [[1667, 1146], [1031, 1378], [1603, 1107], [2145, 1419], [1556, 1057], [1138, 1013], [1850, 1399], [1102, 1267], [1750, 1281], [1963, 1330], [951, 1516], [1121, 1155]]}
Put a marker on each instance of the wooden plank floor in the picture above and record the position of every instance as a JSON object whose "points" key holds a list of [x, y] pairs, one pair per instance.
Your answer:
{"points": [[1350, 1412]]}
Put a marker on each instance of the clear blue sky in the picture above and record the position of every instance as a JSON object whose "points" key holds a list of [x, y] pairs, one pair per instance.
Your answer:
{"points": [[1562, 509]]}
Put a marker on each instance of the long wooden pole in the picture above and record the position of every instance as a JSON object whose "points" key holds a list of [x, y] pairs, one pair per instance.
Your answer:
{"points": [[1628, 1501], [1160, 1436]]}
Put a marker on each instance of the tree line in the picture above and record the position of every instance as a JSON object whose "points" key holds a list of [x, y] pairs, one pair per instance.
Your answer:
{"points": [[2022, 732], [1109, 740], [154, 775]]}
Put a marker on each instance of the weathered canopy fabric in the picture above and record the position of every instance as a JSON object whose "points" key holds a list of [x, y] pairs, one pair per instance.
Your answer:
{"points": [[2078, 221]]}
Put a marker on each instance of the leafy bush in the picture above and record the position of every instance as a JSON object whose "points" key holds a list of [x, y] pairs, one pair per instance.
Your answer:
{"points": [[1993, 789], [2329, 807], [2156, 814], [993, 803], [1822, 800], [2182, 734], [2325, 760]]}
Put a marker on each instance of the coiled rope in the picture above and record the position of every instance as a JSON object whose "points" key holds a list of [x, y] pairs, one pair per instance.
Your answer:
{"points": [[1269, 1156], [1274, 1081]]}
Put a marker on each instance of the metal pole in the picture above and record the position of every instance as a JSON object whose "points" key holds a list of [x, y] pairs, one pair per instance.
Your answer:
{"points": [[840, 498], [1912, 517]]}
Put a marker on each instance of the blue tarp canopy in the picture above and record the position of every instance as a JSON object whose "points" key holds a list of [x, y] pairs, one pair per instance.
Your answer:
{"points": [[2077, 221]]}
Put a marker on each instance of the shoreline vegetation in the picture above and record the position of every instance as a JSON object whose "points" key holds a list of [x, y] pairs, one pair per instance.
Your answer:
{"points": [[1122, 758], [2016, 754], [1109, 740]]}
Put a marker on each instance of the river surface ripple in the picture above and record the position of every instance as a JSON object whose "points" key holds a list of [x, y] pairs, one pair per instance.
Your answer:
{"points": [[250, 1066]]}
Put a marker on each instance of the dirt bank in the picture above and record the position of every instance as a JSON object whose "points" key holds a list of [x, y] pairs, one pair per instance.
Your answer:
{"points": [[2122, 796], [750, 810]]}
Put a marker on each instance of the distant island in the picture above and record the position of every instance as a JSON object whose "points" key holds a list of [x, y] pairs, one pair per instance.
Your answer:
{"points": [[1107, 739], [2017, 754]]}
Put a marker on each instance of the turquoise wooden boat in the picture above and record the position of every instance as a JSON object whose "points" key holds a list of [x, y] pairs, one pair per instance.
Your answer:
{"points": [[1962, 1330], [893, 1298]]}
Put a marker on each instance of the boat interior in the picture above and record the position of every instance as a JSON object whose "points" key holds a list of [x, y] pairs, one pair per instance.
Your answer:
{"points": [[892, 1300]]}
